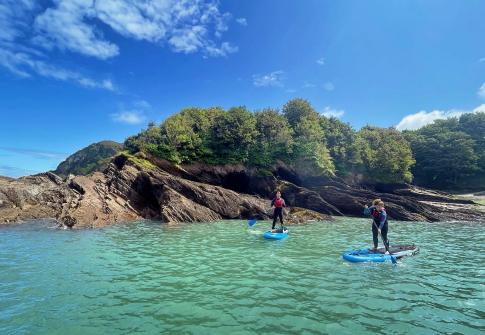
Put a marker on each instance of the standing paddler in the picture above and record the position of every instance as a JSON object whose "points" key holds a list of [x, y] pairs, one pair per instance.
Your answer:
{"points": [[277, 203], [379, 222]]}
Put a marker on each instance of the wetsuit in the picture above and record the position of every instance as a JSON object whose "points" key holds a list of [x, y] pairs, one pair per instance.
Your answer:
{"points": [[278, 204], [379, 221]]}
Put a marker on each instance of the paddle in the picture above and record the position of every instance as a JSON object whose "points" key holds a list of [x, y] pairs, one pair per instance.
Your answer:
{"points": [[251, 222], [393, 258]]}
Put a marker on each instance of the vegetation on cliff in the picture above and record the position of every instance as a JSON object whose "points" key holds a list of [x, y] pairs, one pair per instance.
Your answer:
{"points": [[94, 157], [311, 143]]}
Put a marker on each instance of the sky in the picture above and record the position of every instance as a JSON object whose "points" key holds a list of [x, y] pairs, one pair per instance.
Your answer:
{"points": [[81, 71]]}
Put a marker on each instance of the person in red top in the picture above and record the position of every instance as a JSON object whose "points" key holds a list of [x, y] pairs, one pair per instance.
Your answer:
{"points": [[278, 203]]}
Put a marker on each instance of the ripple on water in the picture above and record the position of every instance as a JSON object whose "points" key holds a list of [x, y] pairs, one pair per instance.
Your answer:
{"points": [[224, 278]]}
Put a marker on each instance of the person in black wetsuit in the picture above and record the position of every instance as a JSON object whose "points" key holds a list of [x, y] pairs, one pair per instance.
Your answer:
{"points": [[278, 203], [379, 222]]}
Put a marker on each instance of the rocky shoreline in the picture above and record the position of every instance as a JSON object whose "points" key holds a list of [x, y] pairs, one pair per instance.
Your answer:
{"points": [[127, 190]]}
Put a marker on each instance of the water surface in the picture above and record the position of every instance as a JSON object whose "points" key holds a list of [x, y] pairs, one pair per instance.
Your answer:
{"points": [[221, 278]]}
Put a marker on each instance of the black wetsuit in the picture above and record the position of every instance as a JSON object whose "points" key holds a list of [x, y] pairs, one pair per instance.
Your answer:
{"points": [[278, 210], [379, 220]]}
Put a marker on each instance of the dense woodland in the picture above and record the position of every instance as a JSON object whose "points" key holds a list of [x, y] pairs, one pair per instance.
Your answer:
{"points": [[448, 154]]}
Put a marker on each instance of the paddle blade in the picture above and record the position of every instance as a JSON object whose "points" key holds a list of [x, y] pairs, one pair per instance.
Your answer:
{"points": [[393, 259], [251, 222]]}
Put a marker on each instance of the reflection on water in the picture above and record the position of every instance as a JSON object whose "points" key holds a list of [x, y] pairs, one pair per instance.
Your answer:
{"points": [[222, 278]]}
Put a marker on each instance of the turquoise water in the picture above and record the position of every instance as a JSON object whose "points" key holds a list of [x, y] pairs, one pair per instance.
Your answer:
{"points": [[223, 278]]}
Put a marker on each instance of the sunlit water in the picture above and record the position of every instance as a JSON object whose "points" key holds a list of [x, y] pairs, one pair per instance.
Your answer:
{"points": [[224, 278]]}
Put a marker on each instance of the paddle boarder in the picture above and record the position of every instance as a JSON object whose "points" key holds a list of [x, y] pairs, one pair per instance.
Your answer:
{"points": [[379, 222], [278, 203]]}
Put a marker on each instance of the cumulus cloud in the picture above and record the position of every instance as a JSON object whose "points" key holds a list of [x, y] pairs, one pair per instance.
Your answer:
{"points": [[422, 118], [328, 86], [25, 60], [242, 21], [274, 79], [133, 114], [481, 91], [129, 117], [331, 112], [29, 29], [320, 61], [186, 26]]}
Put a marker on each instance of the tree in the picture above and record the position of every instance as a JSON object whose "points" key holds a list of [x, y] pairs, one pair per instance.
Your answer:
{"points": [[312, 157], [297, 109], [386, 155], [274, 138], [340, 140], [444, 158], [232, 135]]}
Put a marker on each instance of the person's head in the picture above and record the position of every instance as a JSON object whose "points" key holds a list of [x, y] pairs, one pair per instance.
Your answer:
{"points": [[376, 201], [278, 194], [380, 205]]}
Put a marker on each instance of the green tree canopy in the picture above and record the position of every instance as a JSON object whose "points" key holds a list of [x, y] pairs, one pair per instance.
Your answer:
{"points": [[233, 135], [450, 153], [386, 155], [274, 138], [340, 140], [297, 109]]}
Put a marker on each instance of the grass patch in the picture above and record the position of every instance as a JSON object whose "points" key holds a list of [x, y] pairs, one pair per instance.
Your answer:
{"points": [[480, 201], [139, 161]]}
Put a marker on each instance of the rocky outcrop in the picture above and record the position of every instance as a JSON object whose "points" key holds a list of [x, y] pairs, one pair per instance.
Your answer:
{"points": [[125, 191], [332, 196], [130, 189]]}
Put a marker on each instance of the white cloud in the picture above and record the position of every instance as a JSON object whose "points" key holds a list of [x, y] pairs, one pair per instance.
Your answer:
{"points": [[307, 84], [187, 26], [66, 27], [331, 112], [328, 86], [225, 49], [40, 154], [29, 27], [422, 118], [481, 91], [129, 117], [24, 65], [320, 61], [242, 21], [134, 113], [479, 109], [274, 79]]}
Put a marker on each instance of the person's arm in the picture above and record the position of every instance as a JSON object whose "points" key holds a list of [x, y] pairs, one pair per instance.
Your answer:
{"points": [[284, 203], [272, 202], [367, 210], [383, 219]]}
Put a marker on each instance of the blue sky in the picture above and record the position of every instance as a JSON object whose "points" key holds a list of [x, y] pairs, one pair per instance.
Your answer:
{"points": [[76, 72]]}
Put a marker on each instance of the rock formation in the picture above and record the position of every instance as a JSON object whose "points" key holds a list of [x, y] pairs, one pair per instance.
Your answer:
{"points": [[127, 190]]}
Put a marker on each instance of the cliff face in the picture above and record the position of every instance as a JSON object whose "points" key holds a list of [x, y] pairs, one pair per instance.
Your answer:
{"points": [[127, 190]]}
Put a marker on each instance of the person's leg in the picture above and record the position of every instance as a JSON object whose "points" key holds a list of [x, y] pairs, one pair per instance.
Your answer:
{"points": [[375, 234], [281, 216], [384, 236], [275, 217]]}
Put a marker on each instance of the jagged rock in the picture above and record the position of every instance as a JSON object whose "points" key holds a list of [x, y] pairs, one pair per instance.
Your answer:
{"points": [[127, 191], [297, 215]]}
